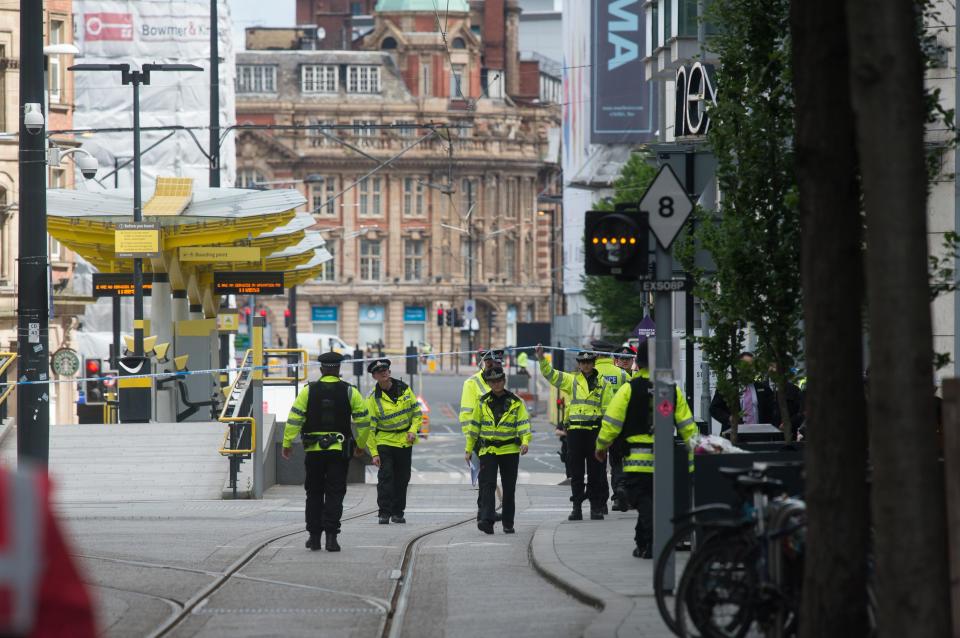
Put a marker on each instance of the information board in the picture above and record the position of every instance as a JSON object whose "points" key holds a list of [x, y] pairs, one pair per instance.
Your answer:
{"points": [[248, 283], [140, 239], [119, 284]]}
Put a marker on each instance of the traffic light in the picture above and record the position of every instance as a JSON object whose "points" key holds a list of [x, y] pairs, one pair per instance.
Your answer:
{"points": [[616, 242], [411, 359], [440, 317], [456, 318], [93, 386], [286, 317], [449, 316], [357, 362]]}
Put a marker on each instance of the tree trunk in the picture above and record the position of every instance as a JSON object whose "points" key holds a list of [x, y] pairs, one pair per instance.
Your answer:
{"points": [[886, 82], [834, 586]]}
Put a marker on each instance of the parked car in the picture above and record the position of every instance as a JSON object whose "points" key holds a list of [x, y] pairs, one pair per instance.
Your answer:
{"points": [[316, 343]]}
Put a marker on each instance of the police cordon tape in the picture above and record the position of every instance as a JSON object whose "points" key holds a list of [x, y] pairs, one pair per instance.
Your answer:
{"points": [[288, 366]]}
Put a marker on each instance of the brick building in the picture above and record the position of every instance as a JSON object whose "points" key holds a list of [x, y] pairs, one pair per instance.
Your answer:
{"points": [[401, 237], [67, 306]]}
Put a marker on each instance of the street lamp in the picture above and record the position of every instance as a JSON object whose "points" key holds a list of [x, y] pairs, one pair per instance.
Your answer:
{"points": [[136, 78]]}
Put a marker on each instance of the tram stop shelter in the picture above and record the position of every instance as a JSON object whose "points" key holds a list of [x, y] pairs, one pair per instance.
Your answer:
{"points": [[196, 244]]}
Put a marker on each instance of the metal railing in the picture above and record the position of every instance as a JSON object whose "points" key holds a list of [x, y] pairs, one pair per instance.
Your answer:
{"points": [[300, 367], [8, 358]]}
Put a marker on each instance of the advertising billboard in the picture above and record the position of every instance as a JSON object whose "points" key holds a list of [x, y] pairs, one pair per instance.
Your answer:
{"points": [[624, 104]]}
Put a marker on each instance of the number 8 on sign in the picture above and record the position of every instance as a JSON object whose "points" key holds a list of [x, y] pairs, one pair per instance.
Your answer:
{"points": [[668, 205]]}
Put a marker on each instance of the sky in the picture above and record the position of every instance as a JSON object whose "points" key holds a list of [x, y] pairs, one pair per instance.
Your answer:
{"points": [[263, 13]]}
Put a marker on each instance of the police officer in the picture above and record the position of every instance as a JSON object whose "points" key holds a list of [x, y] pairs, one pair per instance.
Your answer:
{"points": [[612, 370], [589, 395], [395, 420], [499, 432], [630, 417], [321, 415], [475, 387]]}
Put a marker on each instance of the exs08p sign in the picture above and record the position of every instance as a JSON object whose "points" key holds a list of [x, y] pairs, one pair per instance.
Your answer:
{"points": [[623, 104]]}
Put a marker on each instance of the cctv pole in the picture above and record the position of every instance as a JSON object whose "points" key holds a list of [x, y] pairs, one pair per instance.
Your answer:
{"points": [[214, 155], [33, 399]]}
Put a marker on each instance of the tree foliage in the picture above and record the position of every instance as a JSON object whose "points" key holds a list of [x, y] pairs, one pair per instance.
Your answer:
{"points": [[755, 240], [617, 304]]}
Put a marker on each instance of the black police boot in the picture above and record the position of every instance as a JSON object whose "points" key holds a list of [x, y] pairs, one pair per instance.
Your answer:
{"points": [[643, 551], [398, 518], [577, 513], [603, 508], [332, 544], [384, 520], [485, 526], [596, 513], [620, 501], [313, 543], [509, 530]]}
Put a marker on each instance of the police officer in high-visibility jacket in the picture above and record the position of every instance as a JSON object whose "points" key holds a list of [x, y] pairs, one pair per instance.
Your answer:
{"points": [[630, 416], [499, 432], [613, 371], [474, 388], [321, 416], [589, 395], [395, 420]]}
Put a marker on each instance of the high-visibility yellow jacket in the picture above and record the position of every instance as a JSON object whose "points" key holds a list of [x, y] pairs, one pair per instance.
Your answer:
{"points": [[391, 421], [639, 457], [614, 375], [490, 436], [586, 406], [298, 415], [473, 388]]}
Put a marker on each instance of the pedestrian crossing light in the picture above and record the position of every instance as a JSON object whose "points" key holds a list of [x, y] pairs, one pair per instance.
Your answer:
{"points": [[616, 242], [440, 317]]}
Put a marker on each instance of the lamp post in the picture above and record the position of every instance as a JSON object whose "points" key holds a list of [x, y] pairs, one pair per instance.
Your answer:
{"points": [[136, 78]]}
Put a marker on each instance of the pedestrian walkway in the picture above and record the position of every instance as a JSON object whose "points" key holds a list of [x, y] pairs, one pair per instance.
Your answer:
{"points": [[592, 560]]}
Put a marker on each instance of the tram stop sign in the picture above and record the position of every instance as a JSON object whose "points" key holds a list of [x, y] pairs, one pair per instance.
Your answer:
{"points": [[668, 205]]}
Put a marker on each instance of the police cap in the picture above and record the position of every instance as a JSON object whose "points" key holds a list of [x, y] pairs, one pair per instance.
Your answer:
{"points": [[626, 351], [378, 365], [496, 355], [586, 356], [494, 373], [330, 359]]}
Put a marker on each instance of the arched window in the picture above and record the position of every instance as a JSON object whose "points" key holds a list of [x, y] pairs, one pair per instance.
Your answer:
{"points": [[459, 43], [388, 43]]}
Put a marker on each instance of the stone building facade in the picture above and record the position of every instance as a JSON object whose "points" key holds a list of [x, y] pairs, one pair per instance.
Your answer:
{"points": [[464, 206], [67, 306]]}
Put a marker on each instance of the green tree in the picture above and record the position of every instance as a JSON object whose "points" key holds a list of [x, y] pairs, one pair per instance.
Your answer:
{"points": [[617, 305], [755, 240]]}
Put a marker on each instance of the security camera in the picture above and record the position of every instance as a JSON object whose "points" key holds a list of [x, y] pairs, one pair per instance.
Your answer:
{"points": [[32, 117], [88, 166]]}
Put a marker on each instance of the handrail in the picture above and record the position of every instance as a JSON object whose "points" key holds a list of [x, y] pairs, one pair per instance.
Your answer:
{"points": [[301, 374], [10, 358], [240, 375], [230, 421]]}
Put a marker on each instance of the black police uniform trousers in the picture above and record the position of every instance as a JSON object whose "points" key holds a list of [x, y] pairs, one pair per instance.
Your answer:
{"points": [[393, 479], [508, 465], [580, 456], [616, 468], [326, 485], [639, 488]]}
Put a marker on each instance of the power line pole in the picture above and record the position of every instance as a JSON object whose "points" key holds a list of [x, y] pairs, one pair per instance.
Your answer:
{"points": [[33, 400]]}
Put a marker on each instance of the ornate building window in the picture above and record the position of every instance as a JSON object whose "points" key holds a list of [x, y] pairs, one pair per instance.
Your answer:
{"points": [[370, 260], [363, 79], [370, 198], [413, 260], [510, 260], [319, 78], [328, 269], [412, 197], [256, 78]]}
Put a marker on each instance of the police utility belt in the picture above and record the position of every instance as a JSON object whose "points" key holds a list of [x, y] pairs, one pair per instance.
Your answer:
{"points": [[323, 440], [498, 442], [586, 424]]}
